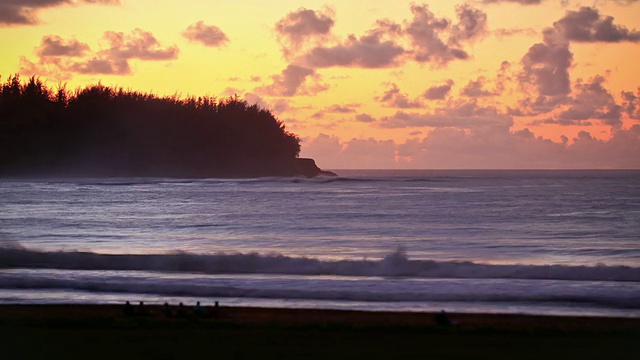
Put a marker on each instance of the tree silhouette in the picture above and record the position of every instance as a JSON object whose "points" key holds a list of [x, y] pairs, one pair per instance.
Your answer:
{"points": [[102, 131]]}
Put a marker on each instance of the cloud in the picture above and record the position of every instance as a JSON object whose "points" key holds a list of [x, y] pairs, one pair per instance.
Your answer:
{"points": [[294, 80], [396, 99], [472, 24], [54, 45], [438, 92], [431, 39], [631, 104], [591, 102], [480, 148], [521, 2], [340, 109], [425, 33], [365, 118], [299, 26], [208, 35], [355, 153], [588, 25], [461, 114], [476, 88], [57, 56], [16, 12], [546, 66], [336, 109], [368, 51]]}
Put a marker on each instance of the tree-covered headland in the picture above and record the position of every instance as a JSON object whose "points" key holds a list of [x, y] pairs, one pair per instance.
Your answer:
{"points": [[102, 131]]}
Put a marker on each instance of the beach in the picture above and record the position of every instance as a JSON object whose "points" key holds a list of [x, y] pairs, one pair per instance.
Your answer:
{"points": [[106, 332]]}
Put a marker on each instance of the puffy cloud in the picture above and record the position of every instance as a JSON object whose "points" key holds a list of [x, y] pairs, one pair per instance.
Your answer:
{"points": [[16, 12], [438, 92], [546, 66], [425, 32], [589, 102], [294, 80], [139, 44], [365, 118], [209, 35], [432, 39], [299, 26], [588, 25], [472, 24], [461, 114], [396, 99], [476, 88], [631, 104], [368, 51], [57, 55], [54, 45], [592, 102]]}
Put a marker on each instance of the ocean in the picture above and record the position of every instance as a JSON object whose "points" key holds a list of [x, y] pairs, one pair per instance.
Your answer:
{"points": [[530, 242]]}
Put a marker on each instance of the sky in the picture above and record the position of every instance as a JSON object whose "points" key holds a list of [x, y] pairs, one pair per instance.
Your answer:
{"points": [[478, 84]]}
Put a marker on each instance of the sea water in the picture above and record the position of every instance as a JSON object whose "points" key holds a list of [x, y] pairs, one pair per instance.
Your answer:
{"points": [[535, 242]]}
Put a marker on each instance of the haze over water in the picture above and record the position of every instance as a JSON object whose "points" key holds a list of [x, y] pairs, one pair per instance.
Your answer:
{"points": [[553, 242]]}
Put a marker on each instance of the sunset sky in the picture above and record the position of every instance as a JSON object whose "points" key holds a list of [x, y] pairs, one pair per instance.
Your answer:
{"points": [[368, 84]]}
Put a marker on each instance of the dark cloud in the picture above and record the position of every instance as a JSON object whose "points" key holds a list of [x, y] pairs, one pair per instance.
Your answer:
{"points": [[472, 24], [365, 118], [438, 92], [24, 12], [476, 88], [294, 80], [367, 52], [208, 35], [432, 39], [631, 104], [396, 99], [588, 25], [546, 66], [301, 25], [591, 102], [425, 31], [56, 55], [461, 114]]}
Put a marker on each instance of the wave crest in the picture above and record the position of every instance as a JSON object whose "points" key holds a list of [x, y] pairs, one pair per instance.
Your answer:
{"points": [[392, 265]]}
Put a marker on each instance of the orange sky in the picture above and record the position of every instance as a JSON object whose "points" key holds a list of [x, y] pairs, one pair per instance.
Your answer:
{"points": [[387, 84]]}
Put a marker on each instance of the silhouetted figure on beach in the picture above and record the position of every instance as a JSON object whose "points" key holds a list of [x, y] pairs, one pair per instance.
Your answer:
{"points": [[128, 309], [442, 319], [167, 310], [181, 311], [142, 310], [198, 310]]}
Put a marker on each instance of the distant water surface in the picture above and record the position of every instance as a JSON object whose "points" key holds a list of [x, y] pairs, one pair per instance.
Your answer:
{"points": [[552, 242]]}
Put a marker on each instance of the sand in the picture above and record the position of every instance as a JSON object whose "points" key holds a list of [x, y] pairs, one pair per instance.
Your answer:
{"points": [[105, 332]]}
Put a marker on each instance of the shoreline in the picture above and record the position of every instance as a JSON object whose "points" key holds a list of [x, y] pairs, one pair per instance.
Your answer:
{"points": [[312, 317], [105, 332]]}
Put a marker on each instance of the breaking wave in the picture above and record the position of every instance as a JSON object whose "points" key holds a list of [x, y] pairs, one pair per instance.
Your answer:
{"points": [[396, 264]]}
